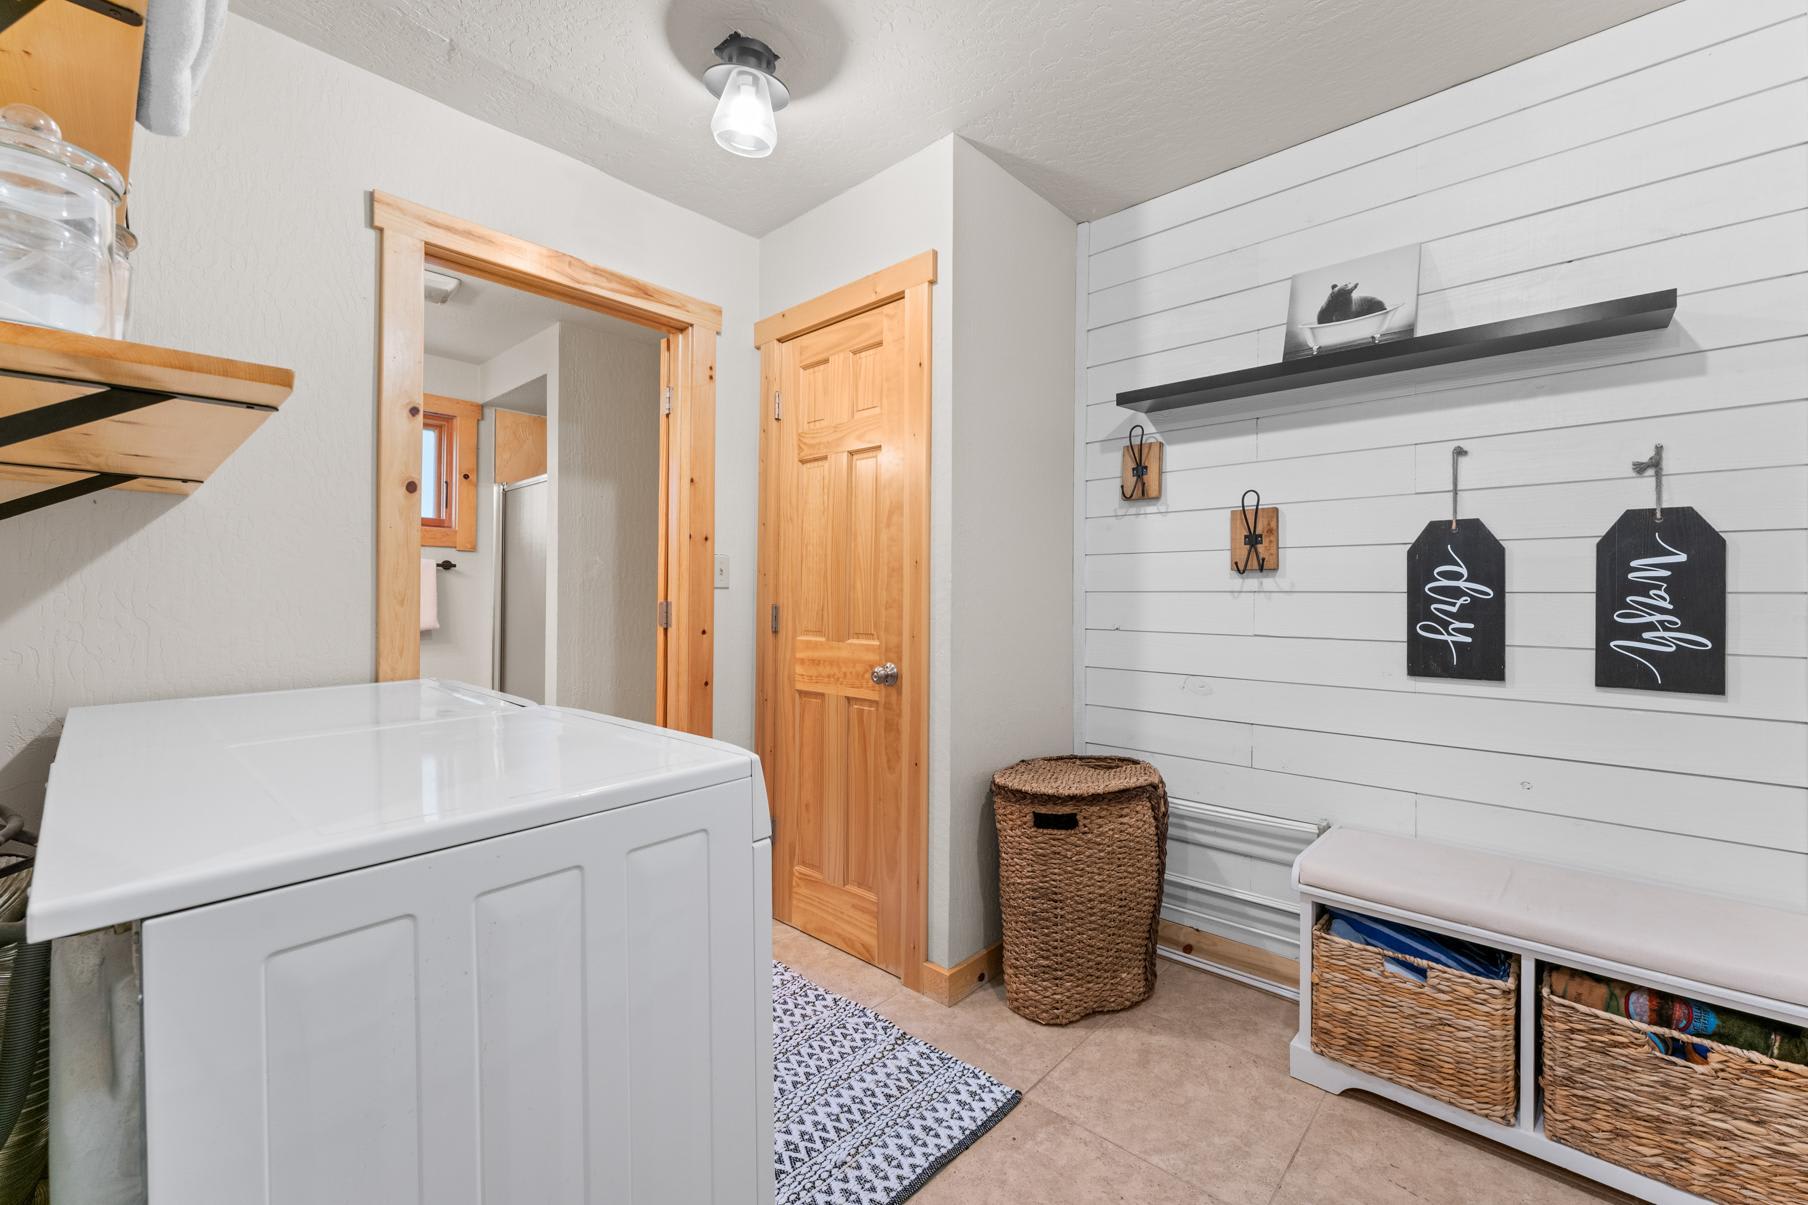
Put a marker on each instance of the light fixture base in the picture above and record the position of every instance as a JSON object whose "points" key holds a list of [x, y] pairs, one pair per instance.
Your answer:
{"points": [[739, 50]]}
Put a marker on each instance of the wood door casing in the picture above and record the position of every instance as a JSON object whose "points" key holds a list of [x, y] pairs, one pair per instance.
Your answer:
{"points": [[843, 586], [662, 644]]}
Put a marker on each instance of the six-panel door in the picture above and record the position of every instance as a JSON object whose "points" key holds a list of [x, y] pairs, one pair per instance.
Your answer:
{"points": [[841, 584]]}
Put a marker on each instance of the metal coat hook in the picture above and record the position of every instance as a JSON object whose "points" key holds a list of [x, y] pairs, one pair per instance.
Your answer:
{"points": [[1456, 454], [1252, 533], [1137, 443], [1655, 466]]}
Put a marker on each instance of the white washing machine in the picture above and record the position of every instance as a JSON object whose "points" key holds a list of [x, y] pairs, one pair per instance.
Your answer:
{"points": [[404, 943]]}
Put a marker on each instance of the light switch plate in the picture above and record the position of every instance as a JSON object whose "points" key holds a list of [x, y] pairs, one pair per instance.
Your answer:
{"points": [[721, 572]]}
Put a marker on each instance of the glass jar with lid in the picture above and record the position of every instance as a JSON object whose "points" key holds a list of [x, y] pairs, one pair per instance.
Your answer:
{"points": [[57, 203]]}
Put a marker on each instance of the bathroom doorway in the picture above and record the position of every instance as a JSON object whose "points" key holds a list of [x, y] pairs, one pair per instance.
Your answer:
{"points": [[679, 491], [540, 539]]}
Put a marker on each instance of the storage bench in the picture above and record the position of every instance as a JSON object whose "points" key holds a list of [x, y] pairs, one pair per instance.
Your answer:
{"points": [[1613, 1108]]}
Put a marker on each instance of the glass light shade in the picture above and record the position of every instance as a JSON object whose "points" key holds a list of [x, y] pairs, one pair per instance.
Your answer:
{"points": [[743, 122]]}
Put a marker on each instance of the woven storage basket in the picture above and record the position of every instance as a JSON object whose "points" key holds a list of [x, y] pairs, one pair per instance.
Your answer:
{"points": [[1453, 1037], [1082, 842], [1734, 1129]]}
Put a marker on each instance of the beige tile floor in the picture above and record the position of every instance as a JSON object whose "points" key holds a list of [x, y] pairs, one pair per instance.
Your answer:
{"points": [[1183, 1100]]}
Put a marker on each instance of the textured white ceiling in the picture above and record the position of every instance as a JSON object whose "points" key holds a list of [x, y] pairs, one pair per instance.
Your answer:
{"points": [[1096, 104]]}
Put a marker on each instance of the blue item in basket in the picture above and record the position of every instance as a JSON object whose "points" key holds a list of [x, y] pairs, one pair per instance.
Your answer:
{"points": [[1438, 950]]}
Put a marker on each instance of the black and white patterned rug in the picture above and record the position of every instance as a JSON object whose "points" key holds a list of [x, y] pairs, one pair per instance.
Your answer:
{"points": [[864, 1113]]}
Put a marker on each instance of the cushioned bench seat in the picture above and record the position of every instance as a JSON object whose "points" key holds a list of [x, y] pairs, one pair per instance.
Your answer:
{"points": [[1724, 943]]}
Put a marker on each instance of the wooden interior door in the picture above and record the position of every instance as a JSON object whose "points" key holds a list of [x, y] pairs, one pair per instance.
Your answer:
{"points": [[662, 648], [843, 472]]}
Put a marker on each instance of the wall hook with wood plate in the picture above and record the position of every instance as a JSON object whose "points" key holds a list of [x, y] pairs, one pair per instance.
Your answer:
{"points": [[1255, 535], [1142, 467]]}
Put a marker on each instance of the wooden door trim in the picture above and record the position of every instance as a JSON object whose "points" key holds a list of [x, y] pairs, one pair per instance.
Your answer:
{"points": [[869, 292], [662, 650], [409, 235], [914, 865], [765, 669], [906, 887], [533, 268]]}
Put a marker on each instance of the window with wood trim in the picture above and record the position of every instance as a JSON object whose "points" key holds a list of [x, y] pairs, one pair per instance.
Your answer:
{"points": [[449, 472]]}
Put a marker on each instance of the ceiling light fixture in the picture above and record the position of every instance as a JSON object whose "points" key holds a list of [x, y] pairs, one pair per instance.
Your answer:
{"points": [[440, 286], [749, 95]]}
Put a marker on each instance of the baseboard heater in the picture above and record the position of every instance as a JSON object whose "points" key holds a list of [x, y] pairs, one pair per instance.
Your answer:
{"points": [[1233, 932]]}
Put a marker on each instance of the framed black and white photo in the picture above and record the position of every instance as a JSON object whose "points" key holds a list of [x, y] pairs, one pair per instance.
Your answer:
{"points": [[1456, 603], [1360, 302], [1660, 603]]}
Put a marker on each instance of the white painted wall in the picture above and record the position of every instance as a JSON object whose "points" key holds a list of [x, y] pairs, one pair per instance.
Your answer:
{"points": [[535, 356], [603, 543], [1001, 363], [452, 378], [1011, 548], [256, 245], [1668, 151]]}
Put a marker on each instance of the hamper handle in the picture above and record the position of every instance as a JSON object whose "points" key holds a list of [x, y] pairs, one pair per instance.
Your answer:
{"points": [[1405, 970], [1055, 820]]}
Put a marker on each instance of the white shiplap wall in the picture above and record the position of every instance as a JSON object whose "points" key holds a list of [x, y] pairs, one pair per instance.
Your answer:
{"points": [[1669, 151]]}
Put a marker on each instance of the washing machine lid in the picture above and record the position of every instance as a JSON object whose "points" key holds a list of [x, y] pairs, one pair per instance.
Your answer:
{"points": [[156, 807]]}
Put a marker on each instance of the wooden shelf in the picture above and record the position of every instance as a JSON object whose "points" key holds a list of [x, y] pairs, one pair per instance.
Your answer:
{"points": [[79, 63], [1643, 312], [80, 414]]}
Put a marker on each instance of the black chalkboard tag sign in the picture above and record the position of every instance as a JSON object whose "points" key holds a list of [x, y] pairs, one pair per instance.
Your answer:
{"points": [[1660, 603], [1456, 603]]}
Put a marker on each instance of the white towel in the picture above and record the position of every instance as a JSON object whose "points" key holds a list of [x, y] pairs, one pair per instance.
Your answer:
{"points": [[180, 37], [429, 596]]}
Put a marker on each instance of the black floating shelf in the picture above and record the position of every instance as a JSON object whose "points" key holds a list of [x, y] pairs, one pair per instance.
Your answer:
{"points": [[1578, 324]]}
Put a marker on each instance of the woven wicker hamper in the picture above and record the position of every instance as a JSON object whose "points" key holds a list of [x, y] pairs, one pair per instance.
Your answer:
{"points": [[1453, 1037], [1082, 843], [1734, 1129]]}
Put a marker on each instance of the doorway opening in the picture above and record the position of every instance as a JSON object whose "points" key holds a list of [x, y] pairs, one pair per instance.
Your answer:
{"points": [[541, 429], [628, 498]]}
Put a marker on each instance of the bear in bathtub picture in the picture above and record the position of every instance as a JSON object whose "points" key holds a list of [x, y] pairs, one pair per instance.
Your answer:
{"points": [[1358, 303]]}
